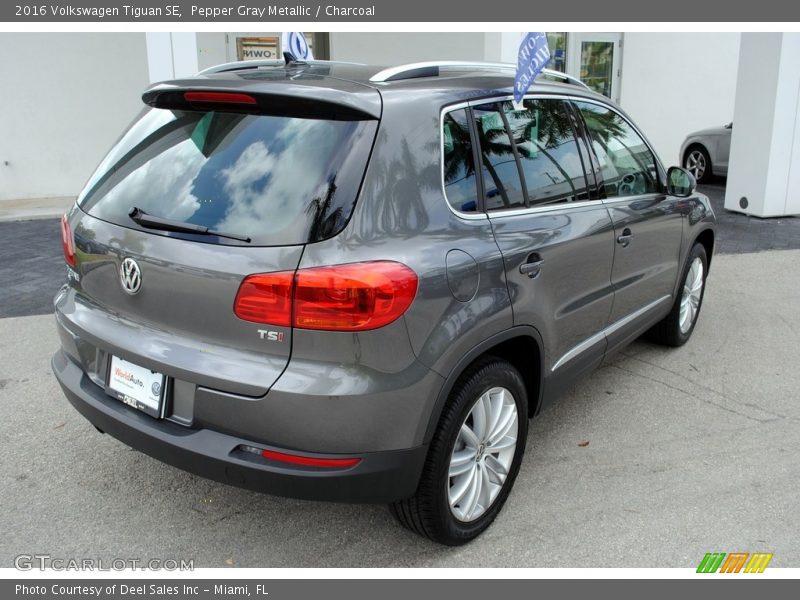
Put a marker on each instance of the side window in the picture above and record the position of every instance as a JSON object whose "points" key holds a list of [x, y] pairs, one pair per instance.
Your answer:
{"points": [[545, 139], [501, 182], [626, 163], [459, 166]]}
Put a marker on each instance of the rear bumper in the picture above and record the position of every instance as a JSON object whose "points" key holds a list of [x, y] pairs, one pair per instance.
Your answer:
{"points": [[379, 477]]}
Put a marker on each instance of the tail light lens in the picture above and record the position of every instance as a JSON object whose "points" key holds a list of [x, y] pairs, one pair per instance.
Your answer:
{"points": [[266, 298], [351, 297], [67, 241]]}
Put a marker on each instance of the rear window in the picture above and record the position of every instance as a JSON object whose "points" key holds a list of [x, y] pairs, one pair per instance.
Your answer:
{"points": [[275, 179]]}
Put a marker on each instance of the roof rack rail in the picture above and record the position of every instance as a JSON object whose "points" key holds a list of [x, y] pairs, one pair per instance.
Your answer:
{"points": [[431, 68], [241, 65]]}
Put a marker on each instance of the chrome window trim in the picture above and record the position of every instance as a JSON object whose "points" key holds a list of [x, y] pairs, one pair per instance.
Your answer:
{"points": [[600, 335], [500, 213], [543, 208], [476, 216]]}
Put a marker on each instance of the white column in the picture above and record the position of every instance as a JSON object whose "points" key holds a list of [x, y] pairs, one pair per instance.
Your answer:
{"points": [[171, 55], [764, 167]]}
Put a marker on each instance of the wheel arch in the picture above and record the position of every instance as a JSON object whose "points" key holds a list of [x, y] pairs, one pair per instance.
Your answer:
{"points": [[706, 238], [521, 346]]}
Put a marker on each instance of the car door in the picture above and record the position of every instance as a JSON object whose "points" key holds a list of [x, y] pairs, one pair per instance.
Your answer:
{"points": [[648, 223], [557, 243]]}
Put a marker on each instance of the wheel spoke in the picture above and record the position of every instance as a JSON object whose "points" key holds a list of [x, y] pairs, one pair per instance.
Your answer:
{"points": [[479, 418], [468, 436], [486, 494], [497, 469], [496, 403], [462, 485], [462, 462], [502, 444], [474, 494], [506, 424]]}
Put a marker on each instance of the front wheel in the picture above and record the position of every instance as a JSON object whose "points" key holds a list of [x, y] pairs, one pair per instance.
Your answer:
{"points": [[474, 456], [698, 163], [678, 325]]}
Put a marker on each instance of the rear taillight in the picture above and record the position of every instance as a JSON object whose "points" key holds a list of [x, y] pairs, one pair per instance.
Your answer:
{"points": [[67, 241], [351, 297], [266, 298]]}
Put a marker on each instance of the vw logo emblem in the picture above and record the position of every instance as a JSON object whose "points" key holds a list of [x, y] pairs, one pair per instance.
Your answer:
{"points": [[130, 276]]}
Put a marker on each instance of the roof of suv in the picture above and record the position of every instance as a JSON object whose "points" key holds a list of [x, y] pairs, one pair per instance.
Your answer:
{"points": [[354, 85]]}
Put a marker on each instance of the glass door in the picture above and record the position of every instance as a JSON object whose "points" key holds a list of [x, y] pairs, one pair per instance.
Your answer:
{"points": [[595, 59]]}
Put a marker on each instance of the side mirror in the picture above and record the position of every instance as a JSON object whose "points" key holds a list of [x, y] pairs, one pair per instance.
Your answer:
{"points": [[680, 182]]}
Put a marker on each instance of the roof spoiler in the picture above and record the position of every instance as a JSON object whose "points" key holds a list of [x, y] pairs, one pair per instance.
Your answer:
{"points": [[283, 99], [242, 65]]}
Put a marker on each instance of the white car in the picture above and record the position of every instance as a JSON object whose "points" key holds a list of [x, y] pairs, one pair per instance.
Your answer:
{"points": [[705, 153]]}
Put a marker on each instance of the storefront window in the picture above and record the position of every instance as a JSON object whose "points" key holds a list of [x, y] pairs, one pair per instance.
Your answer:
{"points": [[558, 51]]}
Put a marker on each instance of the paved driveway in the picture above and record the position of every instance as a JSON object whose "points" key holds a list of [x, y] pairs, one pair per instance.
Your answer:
{"points": [[690, 451]]}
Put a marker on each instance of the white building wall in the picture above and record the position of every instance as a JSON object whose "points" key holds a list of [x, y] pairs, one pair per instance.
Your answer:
{"points": [[394, 48], [676, 83], [65, 99]]}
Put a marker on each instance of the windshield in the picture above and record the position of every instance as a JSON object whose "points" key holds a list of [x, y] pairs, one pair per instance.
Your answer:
{"points": [[277, 180]]}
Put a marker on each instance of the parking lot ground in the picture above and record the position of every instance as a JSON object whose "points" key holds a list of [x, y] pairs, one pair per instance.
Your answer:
{"points": [[690, 450]]}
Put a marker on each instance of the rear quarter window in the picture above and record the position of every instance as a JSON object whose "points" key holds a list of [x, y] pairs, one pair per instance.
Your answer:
{"points": [[275, 179]]}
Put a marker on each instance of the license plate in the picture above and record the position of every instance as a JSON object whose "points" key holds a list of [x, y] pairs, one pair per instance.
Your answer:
{"points": [[136, 386]]}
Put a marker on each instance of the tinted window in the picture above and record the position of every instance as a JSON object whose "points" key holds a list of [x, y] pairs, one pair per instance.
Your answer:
{"points": [[545, 139], [501, 182], [459, 164], [277, 180], [627, 165]]}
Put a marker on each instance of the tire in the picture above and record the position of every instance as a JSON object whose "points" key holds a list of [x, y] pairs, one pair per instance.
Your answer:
{"points": [[698, 163], [674, 329], [492, 383]]}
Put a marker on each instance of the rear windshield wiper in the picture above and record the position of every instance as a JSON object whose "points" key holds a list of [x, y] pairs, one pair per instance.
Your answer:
{"points": [[153, 222]]}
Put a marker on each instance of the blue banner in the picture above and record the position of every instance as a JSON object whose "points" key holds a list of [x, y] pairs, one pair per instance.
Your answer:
{"points": [[533, 55], [295, 45]]}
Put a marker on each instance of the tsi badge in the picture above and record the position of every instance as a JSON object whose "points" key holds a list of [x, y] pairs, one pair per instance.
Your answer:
{"points": [[272, 336]]}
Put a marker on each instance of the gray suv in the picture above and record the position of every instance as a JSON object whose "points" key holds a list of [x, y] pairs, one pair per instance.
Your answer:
{"points": [[339, 282]]}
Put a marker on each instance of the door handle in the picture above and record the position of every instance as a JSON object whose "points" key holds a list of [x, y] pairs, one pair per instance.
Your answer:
{"points": [[533, 267], [625, 238]]}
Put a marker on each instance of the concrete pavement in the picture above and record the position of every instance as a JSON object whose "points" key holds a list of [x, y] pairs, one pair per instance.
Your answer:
{"points": [[690, 451]]}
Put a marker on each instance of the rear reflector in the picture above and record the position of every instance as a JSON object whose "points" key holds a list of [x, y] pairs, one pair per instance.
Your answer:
{"points": [[67, 241], [304, 461], [350, 297], [218, 98]]}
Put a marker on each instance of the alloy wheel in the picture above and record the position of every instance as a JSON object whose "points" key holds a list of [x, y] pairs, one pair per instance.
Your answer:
{"points": [[696, 164], [692, 292], [483, 454]]}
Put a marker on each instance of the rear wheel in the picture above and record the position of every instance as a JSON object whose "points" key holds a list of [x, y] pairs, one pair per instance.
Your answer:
{"points": [[474, 456], [677, 327]]}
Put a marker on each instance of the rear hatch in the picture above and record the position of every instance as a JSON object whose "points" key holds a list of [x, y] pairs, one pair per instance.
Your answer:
{"points": [[258, 171]]}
